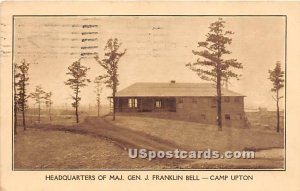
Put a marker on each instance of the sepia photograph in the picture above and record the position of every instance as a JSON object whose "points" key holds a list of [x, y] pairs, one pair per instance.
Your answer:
{"points": [[149, 92]]}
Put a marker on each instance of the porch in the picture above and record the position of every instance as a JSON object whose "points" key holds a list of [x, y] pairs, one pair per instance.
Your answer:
{"points": [[145, 104]]}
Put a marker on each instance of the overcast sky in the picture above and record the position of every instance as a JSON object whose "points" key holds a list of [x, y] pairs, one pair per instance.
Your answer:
{"points": [[157, 50]]}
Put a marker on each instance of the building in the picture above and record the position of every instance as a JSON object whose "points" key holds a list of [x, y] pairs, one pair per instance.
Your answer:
{"points": [[184, 101]]}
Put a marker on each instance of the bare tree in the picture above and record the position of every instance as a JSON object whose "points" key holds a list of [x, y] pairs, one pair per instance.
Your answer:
{"points": [[21, 88], [110, 64], [98, 85], [277, 78], [39, 96], [213, 66], [78, 80], [49, 102]]}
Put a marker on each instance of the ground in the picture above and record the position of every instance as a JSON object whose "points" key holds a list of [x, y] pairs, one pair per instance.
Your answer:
{"points": [[100, 143], [58, 150], [191, 135]]}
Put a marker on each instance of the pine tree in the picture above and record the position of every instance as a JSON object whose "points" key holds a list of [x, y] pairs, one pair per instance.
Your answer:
{"points": [[214, 66], [49, 102], [38, 95], [277, 78], [78, 80], [110, 64], [16, 97], [21, 88]]}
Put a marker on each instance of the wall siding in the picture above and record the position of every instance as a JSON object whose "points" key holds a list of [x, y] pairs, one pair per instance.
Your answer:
{"points": [[196, 109]]}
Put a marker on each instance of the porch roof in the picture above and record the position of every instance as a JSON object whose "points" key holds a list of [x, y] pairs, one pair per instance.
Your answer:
{"points": [[144, 89]]}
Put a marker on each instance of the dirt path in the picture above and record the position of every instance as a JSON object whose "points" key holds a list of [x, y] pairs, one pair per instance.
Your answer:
{"points": [[125, 138]]}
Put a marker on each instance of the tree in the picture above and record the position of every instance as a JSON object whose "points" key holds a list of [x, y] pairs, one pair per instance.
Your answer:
{"points": [[213, 66], [38, 95], [110, 64], [49, 102], [78, 80], [276, 76], [98, 85], [21, 88], [16, 97]]}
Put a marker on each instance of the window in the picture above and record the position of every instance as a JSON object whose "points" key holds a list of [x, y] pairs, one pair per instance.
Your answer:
{"points": [[226, 99], [227, 116], [158, 103], [132, 102], [237, 99]]}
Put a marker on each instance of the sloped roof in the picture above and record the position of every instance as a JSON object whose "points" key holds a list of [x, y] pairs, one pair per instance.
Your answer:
{"points": [[144, 89]]}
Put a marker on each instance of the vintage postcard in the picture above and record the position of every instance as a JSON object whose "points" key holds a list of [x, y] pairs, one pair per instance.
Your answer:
{"points": [[94, 97]]}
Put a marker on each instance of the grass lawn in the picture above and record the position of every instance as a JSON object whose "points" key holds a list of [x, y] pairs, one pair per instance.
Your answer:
{"points": [[269, 145], [40, 149], [101, 144], [198, 136]]}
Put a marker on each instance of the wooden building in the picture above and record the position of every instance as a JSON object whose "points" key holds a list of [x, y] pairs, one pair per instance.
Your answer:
{"points": [[184, 101]]}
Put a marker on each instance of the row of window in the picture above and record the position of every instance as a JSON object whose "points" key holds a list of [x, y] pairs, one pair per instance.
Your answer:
{"points": [[133, 102]]}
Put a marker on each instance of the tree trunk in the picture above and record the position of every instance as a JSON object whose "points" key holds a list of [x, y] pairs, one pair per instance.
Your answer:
{"points": [[219, 98], [76, 108], [23, 101], [50, 113], [114, 105], [76, 102], [15, 116], [219, 93], [98, 106], [23, 115], [76, 113], [39, 112], [23, 104], [15, 120], [219, 104], [15, 103], [278, 114]]}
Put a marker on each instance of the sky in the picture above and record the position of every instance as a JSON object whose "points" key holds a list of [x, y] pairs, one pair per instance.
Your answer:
{"points": [[158, 48]]}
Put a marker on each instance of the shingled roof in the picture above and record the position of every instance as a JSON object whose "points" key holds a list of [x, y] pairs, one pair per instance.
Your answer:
{"points": [[144, 89]]}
